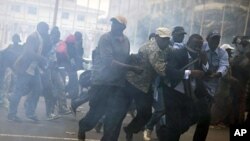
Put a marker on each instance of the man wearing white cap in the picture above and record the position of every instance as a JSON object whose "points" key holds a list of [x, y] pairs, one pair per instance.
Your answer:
{"points": [[151, 57], [108, 81]]}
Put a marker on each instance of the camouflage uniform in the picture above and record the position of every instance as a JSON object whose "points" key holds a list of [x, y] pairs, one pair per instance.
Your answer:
{"points": [[152, 61]]}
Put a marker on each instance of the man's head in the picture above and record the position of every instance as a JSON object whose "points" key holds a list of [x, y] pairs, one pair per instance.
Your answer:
{"points": [[78, 36], [42, 28], [55, 34], [213, 39], [245, 41], [162, 37], [119, 24], [195, 43], [242, 43], [16, 39], [178, 34]]}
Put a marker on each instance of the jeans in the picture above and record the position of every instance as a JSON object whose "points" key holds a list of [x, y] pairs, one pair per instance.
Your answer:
{"points": [[23, 85], [73, 85], [143, 102], [159, 109]]}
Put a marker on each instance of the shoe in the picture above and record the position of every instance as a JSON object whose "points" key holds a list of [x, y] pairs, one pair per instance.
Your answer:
{"points": [[98, 127], [147, 135], [33, 118], [52, 117], [14, 118], [129, 136], [65, 112], [81, 136]]}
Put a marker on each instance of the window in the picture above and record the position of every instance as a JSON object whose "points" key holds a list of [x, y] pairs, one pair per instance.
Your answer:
{"points": [[15, 8], [65, 15], [80, 17], [32, 10], [152, 8]]}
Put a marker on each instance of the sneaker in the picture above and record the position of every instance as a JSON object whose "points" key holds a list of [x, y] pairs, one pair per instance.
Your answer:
{"points": [[147, 135], [65, 112], [33, 118], [14, 118], [129, 136], [53, 117]]}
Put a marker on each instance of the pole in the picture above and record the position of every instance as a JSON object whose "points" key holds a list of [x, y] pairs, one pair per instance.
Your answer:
{"points": [[223, 18], [75, 15], [55, 12], [192, 22], [99, 6], [136, 28], [202, 18], [247, 18], [119, 8]]}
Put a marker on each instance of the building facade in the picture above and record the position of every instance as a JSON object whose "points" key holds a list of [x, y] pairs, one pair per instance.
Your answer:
{"points": [[22, 16]]}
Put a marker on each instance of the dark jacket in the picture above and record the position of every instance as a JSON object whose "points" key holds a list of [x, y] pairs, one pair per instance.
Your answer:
{"points": [[181, 111]]}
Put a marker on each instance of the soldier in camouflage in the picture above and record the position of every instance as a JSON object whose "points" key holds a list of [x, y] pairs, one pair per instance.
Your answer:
{"points": [[151, 57]]}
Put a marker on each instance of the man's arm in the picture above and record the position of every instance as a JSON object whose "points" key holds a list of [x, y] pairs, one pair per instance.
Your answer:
{"points": [[106, 55], [223, 66], [157, 62]]}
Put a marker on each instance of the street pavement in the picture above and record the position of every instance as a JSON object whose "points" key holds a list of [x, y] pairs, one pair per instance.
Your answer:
{"points": [[65, 128]]}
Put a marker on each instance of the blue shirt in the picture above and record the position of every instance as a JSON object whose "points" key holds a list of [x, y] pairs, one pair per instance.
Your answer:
{"points": [[218, 62], [176, 45]]}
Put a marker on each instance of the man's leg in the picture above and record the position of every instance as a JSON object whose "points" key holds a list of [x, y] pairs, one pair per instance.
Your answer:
{"points": [[143, 103], [97, 103], [175, 118], [118, 106], [158, 106], [159, 111], [202, 127], [21, 88], [33, 98], [60, 85], [84, 97], [73, 85]]}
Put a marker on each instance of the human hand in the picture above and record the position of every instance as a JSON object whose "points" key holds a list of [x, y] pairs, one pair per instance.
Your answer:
{"points": [[197, 73], [215, 75], [137, 70]]}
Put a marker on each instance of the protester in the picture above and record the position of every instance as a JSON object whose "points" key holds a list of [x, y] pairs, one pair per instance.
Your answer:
{"points": [[240, 70], [177, 39], [108, 81], [183, 68], [208, 88], [151, 58], [9, 56], [28, 69]]}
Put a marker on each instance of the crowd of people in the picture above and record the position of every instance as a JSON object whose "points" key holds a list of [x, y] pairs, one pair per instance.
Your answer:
{"points": [[39, 68], [185, 83]]}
